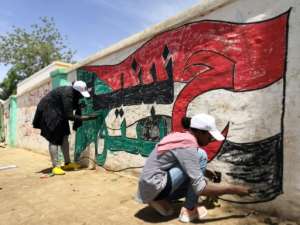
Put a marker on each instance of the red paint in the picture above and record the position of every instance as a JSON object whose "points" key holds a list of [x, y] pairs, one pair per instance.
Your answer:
{"points": [[208, 55], [258, 50]]}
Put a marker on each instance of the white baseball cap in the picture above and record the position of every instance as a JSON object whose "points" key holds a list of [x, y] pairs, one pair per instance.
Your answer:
{"points": [[80, 86], [206, 122]]}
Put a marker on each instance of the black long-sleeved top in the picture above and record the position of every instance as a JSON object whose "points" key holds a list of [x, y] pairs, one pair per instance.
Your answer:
{"points": [[53, 112]]}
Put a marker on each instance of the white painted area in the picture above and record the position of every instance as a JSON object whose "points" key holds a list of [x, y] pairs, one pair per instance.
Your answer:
{"points": [[286, 205], [134, 113], [252, 116]]}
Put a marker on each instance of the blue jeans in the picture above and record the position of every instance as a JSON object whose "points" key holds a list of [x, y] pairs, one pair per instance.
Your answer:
{"points": [[181, 186]]}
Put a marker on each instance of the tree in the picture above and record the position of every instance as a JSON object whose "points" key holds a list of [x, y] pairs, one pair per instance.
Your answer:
{"points": [[29, 51]]}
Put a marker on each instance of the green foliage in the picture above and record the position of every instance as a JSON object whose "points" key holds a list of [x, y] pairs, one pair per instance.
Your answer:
{"points": [[28, 51]]}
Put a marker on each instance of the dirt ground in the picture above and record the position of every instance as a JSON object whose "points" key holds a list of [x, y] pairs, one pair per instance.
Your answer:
{"points": [[87, 197]]}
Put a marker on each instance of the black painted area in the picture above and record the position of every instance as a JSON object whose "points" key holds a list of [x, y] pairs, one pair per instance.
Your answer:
{"points": [[150, 127], [161, 92], [257, 164]]}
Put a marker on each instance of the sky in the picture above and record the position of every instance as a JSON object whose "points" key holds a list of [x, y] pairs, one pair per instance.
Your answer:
{"points": [[89, 25]]}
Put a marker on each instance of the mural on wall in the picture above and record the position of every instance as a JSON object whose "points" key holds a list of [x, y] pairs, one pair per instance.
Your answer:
{"points": [[202, 56]]}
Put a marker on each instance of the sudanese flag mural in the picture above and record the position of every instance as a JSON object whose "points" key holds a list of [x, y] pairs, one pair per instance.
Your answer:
{"points": [[202, 57]]}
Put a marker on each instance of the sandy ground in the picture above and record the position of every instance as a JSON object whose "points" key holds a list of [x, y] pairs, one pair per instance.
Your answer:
{"points": [[86, 197]]}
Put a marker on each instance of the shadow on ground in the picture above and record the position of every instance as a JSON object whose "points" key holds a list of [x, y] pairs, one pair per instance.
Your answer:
{"points": [[45, 171], [148, 214]]}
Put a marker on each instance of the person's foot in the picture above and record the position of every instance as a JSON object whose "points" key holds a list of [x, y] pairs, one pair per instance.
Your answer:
{"points": [[163, 207], [71, 166], [58, 171], [187, 216]]}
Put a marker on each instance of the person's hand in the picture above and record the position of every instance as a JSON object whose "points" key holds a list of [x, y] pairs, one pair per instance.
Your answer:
{"points": [[241, 190], [92, 117], [89, 117]]}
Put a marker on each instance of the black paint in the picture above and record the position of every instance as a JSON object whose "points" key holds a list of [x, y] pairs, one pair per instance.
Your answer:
{"points": [[161, 92], [134, 65], [153, 72], [256, 164], [150, 127], [166, 52]]}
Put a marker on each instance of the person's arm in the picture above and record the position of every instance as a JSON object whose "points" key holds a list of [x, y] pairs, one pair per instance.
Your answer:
{"points": [[85, 117], [68, 104], [67, 101], [212, 189], [190, 163]]}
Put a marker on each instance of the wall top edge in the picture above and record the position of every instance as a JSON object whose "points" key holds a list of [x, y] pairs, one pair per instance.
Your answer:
{"points": [[201, 9], [28, 89], [53, 65]]}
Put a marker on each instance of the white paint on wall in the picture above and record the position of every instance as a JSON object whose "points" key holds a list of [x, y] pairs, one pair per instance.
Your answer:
{"points": [[252, 115]]}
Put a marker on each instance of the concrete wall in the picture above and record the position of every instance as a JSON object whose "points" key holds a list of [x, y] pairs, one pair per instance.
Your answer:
{"points": [[237, 60], [29, 93]]}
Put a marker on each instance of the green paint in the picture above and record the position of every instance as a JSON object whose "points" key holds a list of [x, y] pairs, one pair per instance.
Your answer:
{"points": [[12, 129], [130, 145], [93, 131], [2, 134], [88, 132], [59, 78]]}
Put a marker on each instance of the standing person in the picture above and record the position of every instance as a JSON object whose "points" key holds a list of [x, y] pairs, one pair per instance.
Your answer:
{"points": [[176, 168], [52, 117]]}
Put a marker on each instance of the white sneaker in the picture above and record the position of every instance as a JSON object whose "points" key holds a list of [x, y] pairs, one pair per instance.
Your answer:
{"points": [[187, 216]]}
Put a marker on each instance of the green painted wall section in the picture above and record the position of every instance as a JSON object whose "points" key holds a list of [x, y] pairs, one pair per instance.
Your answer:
{"points": [[12, 121], [97, 132], [2, 133], [59, 78], [90, 130]]}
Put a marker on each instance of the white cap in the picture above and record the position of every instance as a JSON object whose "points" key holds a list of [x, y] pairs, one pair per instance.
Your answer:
{"points": [[206, 122], [80, 86]]}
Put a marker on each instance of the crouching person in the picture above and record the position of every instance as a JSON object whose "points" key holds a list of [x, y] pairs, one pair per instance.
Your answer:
{"points": [[176, 167]]}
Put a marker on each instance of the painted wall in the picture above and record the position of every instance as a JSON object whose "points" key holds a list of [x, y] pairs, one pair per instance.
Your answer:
{"points": [[238, 63], [235, 59], [29, 93]]}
